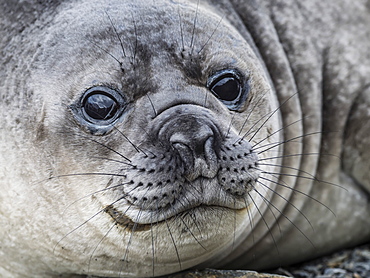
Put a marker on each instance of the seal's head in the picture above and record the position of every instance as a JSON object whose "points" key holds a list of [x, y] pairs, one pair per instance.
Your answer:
{"points": [[141, 153]]}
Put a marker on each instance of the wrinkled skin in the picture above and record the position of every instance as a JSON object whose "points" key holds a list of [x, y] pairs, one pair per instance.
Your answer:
{"points": [[175, 175]]}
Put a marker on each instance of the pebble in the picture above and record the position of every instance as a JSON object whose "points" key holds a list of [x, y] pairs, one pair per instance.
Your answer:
{"points": [[351, 263], [215, 273]]}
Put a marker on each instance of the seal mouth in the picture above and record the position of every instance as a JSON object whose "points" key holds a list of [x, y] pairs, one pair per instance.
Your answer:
{"points": [[133, 226]]}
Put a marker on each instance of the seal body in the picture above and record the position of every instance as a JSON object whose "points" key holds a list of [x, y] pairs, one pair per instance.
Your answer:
{"points": [[144, 138]]}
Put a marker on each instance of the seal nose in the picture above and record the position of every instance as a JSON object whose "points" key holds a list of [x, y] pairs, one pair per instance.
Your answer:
{"points": [[195, 146]]}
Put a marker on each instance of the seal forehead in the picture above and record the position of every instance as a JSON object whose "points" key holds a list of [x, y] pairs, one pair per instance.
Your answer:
{"points": [[132, 28]]}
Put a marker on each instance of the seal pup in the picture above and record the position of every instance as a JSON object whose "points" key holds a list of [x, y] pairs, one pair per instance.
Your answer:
{"points": [[143, 138]]}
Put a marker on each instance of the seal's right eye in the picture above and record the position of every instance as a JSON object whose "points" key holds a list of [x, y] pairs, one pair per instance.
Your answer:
{"points": [[101, 105], [99, 108]]}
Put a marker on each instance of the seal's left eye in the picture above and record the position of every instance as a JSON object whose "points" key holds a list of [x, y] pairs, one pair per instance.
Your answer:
{"points": [[228, 86]]}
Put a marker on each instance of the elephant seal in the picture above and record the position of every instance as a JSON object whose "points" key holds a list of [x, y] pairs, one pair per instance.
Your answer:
{"points": [[142, 138]]}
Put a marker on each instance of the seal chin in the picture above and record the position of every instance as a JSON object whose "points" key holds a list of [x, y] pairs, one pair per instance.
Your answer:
{"points": [[142, 224]]}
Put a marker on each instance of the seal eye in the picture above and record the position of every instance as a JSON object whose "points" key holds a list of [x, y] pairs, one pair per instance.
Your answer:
{"points": [[100, 106], [227, 86], [98, 109]]}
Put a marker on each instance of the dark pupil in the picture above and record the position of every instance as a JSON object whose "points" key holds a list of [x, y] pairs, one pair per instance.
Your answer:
{"points": [[100, 106], [227, 88]]}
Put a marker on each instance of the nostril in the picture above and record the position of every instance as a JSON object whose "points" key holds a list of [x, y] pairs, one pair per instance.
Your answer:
{"points": [[198, 149], [185, 153], [181, 147], [201, 146]]}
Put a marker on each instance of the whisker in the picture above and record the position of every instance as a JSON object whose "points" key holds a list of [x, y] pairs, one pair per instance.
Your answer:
{"points": [[268, 118], [298, 191], [250, 220], [263, 219], [117, 35], [250, 130], [107, 52], [288, 140], [124, 259], [272, 212], [152, 238], [83, 223], [269, 208], [96, 247], [230, 125], [287, 218], [192, 234], [249, 114], [297, 154], [187, 227], [181, 28], [136, 41], [131, 143], [276, 131], [192, 215], [174, 244], [234, 227], [151, 103], [193, 186], [313, 178], [193, 33], [91, 194], [114, 160], [210, 37], [105, 146], [86, 174], [289, 202], [221, 212], [291, 168]]}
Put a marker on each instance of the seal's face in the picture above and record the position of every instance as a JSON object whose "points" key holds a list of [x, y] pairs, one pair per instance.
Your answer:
{"points": [[148, 138]]}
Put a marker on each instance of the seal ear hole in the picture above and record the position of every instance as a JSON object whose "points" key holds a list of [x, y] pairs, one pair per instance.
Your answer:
{"points": [[228, 87]]}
